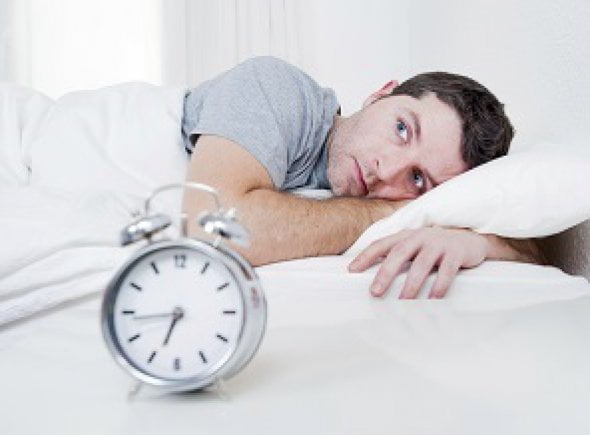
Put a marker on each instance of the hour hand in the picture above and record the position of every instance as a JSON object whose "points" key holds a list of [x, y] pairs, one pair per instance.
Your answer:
{"points": [[177, 314]]}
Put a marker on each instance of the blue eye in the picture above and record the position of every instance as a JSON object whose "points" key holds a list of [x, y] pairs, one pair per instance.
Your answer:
{"points": [[418, 180], [402, 130]]}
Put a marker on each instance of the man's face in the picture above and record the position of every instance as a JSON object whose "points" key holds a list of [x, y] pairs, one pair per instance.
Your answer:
{"points": [[396, 148]]}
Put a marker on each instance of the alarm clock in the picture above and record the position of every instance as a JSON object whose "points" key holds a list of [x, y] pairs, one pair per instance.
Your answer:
{"points": [[183, 313]]}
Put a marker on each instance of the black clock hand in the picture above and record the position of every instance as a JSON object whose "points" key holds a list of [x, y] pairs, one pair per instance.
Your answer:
{"points": [[172, 324], [177, 314]]}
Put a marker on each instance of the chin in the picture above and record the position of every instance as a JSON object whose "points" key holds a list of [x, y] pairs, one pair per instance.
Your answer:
{"points": [[339, 182], [338, 189]]}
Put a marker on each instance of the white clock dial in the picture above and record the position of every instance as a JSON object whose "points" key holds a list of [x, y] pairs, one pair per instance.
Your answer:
{"points": [[178, 314]]}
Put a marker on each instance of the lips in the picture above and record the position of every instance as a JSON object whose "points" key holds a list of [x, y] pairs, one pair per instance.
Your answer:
{"points": [[360, 178]]}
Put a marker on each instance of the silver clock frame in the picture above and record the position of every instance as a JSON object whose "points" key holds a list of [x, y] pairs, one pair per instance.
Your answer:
{"points": [[251, 331]]}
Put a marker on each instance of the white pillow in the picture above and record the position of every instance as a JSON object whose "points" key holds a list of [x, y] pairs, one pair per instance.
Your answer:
{"points": [[22, 111], [531, 193]]}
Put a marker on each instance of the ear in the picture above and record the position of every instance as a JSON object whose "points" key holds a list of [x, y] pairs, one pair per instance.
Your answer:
{"points": [[384, 91]]}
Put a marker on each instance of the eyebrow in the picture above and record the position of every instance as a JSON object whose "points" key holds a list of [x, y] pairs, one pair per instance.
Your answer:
{"points": [[416, 122]]}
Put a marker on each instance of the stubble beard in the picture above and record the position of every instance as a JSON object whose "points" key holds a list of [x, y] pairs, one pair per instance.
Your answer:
{"points": [[336, 144]]}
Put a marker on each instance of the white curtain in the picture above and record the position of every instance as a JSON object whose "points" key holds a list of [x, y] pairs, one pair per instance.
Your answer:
{"points": [[57, 46], [204, 37], [15, 41], [354, 46]]}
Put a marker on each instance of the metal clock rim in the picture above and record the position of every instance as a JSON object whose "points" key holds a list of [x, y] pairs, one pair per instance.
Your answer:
{"points": [[221, 367]]}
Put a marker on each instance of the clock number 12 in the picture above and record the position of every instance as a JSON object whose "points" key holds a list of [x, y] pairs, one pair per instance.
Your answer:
{"points": [[180, 260]]}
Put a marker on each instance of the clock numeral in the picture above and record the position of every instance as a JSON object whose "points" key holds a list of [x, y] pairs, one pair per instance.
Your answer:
{"points": [[221, 337], [135, 337], [222, 286], [176, 364], [229, 311], [204, 269], [203, 357], [128, 311], [152, 356], [156, 271], [135, 286], [180, 261]]}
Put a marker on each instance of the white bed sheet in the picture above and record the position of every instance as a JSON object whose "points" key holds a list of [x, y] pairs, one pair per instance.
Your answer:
{"points": [[505, 353]]}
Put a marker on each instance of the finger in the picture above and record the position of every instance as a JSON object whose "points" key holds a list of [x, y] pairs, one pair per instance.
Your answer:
{"points": [[447, 271], [391, 266], [375, 251], [421, 267]]}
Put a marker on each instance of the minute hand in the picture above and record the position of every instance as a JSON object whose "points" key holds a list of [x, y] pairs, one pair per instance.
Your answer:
{"points": [[153, 316]]}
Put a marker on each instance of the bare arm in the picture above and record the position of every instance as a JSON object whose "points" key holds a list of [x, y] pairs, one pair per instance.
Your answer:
{"points": [[523, 250], [282, 226]]}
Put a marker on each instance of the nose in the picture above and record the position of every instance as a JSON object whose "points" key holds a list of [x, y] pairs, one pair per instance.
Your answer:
{"points": [[390, 168], [391, 177]]}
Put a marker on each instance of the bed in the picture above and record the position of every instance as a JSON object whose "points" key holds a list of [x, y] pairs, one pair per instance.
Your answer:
{"points": [[505, 352]]}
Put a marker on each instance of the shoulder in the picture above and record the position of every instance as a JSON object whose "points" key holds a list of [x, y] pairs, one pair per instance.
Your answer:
{"points": [[268, 63], [262, 77], [276, 73]]}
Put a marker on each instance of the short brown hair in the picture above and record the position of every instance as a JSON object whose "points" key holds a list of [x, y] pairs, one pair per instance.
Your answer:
{"points": [[487, 131]]}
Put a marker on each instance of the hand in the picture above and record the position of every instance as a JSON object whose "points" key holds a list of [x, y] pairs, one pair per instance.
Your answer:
{"points": [[449, 249]]}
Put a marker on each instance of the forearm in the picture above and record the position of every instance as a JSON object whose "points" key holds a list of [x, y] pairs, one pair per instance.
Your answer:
{"points": [[285, 226], [523, 250]]}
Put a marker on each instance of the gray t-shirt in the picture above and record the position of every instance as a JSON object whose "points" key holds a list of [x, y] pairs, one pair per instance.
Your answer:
{"points": [[275, 111]]}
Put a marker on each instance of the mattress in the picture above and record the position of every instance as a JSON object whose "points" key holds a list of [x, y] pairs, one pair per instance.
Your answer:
{"points": [[506, 352]]}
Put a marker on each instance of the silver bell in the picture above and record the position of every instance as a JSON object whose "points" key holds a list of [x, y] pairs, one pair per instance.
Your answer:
{"points": [[144, 228], [225, 225]]}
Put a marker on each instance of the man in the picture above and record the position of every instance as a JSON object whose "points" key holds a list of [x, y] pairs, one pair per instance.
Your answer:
{"points": [[265, 127]]}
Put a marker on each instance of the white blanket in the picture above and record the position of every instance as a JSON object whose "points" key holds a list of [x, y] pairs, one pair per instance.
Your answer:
{"points": [[74, 171]]}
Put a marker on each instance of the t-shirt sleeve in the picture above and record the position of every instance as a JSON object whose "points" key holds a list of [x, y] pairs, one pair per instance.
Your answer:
{"points": [[258, 104]]}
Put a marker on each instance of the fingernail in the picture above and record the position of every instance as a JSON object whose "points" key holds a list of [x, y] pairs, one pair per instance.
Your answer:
{"points": [[376, 289]]}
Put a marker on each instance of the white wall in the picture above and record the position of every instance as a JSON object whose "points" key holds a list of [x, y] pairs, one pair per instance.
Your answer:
{"points": [[534, 54], [356, 46]]}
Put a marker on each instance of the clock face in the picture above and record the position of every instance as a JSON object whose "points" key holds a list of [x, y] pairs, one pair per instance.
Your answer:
{"points": [[177, 314]]}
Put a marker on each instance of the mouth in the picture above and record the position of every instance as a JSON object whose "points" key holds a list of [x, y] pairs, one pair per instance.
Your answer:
{"points": [[360, 179]]}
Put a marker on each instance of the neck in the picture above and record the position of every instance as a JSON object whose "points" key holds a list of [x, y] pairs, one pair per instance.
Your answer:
{"points": [[340, 128]]}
